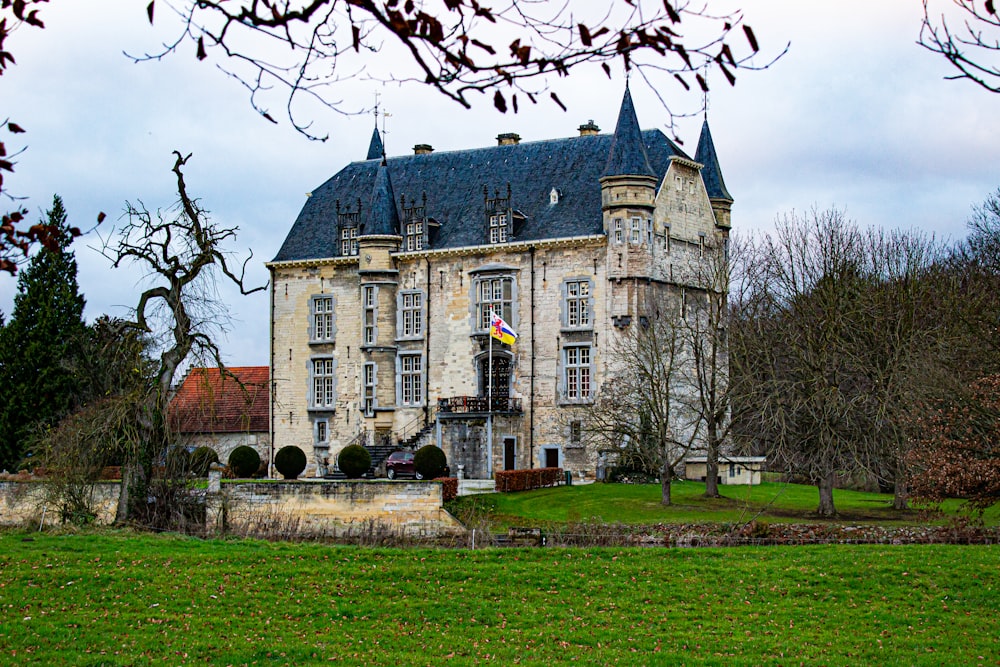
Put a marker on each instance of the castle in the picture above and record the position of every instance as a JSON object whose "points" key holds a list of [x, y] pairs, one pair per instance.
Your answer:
{"points": [[382, 292]]}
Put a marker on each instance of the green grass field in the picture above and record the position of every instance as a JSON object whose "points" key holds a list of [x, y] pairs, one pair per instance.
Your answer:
{"points": [[125, 599], [640, 504]]}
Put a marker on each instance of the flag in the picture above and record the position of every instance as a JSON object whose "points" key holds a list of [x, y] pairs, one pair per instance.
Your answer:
{"points": [[502, 331]]}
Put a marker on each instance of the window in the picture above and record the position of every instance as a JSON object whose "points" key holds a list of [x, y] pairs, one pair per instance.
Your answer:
{"points": [[498, 228], [323, 383], [411, 368], [369, 302], [732, 470], [649, 233], [577, 303], [349, 241], [636, 227], [616, 230], [411, 314], [369, 389], [575, 430], [493, 295], [679, 182], [321, 431], [666, 239], [701, 244], [322, 329], [577, 370], [414, 236]]}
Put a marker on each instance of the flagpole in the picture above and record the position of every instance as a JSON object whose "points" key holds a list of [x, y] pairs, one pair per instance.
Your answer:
{"points": [[489, 402]]}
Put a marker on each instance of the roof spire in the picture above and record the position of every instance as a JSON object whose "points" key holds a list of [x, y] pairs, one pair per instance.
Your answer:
{"points": [[627, 156], [382, 217], [711, 173]]}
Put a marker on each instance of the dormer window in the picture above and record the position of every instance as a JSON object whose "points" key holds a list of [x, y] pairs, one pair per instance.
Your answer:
{"points": [[554, 196], [414, 236], [349, 241], [414, 224], [498, 228]]}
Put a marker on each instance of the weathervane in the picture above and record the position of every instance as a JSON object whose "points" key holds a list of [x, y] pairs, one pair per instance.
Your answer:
{"points": [[385, 115]]}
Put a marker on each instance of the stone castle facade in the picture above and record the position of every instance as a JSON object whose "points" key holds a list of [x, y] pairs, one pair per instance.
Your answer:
{"points": [[382, 291]]}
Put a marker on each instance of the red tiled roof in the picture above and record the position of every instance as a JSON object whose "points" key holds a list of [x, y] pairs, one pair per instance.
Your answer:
{"points": [[213, 401]]}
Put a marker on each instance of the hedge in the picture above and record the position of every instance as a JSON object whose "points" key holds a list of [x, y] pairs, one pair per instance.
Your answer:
{"points": [[449, 488], [524, 480]]}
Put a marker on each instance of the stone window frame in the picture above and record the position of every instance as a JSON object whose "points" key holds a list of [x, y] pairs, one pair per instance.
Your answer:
{"points": [[506, 300], [499, 227], [570, 361], [635, 230], [418, 313], [329, 389], [369, 315], [329, 315], [413, 233], [415, 377], [565, 302], [321, 432], [369, 385], [617, 231]]}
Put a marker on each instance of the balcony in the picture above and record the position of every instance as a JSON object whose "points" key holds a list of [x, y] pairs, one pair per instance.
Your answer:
{"points": [[478, 405]]}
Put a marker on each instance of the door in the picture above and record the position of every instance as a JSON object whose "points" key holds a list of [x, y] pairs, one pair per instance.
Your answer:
{"points": [[509, 453], [501, 380], [551, 457]]}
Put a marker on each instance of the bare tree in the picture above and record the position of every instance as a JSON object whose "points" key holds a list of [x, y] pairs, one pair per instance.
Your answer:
{"points": [[185, 253], [644, 406], [805, 302], [461, 48], [967, 34]]}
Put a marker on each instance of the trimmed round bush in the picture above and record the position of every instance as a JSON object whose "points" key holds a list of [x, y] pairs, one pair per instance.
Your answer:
{"points": [[354, 461], [244, 461], [429, 462], [290, 461], [201, 459]]}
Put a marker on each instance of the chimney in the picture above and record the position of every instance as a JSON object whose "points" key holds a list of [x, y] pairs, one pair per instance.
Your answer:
{"points": [[589, 129], [423, 149], [508, 139]]}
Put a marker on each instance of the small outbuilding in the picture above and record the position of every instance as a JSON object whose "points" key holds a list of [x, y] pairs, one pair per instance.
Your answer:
{"points": [[732, 469]]}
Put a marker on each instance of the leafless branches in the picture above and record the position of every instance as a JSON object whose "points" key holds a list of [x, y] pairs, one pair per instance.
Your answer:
{"points": [[461, 48], [968, 38]]}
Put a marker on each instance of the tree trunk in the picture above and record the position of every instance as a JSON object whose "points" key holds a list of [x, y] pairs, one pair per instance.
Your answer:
{"points": [[712, 465], [901, 494], [825, 486], [666, 474]]}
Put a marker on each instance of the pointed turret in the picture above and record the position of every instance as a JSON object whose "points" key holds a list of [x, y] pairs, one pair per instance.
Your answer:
{"points": [[383, 220], [628, 154], [375, 149], [711, 174]]}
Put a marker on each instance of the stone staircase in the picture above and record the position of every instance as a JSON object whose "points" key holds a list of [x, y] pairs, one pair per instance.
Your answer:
{"points": [[380, 451]]}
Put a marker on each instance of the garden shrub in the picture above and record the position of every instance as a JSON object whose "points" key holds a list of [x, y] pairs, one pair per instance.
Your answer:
{"points": [[244, 461], [201, 459], [290, 461], [354, 461], [430, 462], [524, 480], [449, 488], [178, 461]]}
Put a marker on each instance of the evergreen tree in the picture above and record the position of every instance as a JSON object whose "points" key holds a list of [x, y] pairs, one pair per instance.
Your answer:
{"points": [[40, 346]]}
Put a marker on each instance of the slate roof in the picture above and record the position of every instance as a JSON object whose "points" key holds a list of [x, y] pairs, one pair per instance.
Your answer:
{"points": [[382, 219], [375, 147], [627, 156], [210, 402], [711, 173], [454, 180]]}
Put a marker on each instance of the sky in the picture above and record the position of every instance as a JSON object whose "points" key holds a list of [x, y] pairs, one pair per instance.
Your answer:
{"points": [[855, 116]]}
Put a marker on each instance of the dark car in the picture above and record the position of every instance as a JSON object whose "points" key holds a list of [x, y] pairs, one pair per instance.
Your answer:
{"points": [[400, 464]]}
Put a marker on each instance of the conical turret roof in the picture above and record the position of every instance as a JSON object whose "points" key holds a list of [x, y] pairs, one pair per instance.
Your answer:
{"points": [[383, 220], [711, 173], [375, 149], [628, 153]]}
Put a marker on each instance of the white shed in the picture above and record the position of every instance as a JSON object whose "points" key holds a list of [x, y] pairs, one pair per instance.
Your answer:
{"points": [[732, 469]]}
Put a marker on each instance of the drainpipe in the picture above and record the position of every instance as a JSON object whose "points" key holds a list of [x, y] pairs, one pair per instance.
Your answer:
{"points": [[531, 391], [427, 346]]}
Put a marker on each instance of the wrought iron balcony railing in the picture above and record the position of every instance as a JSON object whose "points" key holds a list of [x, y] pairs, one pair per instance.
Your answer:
{"points": [[481, 404]]}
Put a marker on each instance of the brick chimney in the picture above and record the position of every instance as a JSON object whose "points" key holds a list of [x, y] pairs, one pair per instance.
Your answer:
{"points": [[423, 149], [508, 139]]}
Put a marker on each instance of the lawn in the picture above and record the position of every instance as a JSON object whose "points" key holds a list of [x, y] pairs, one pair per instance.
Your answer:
{"points": [[124, 599], [640, 504]]}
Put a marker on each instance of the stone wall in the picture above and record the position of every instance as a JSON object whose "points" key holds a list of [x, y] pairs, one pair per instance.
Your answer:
{"points": [[318, 507]]}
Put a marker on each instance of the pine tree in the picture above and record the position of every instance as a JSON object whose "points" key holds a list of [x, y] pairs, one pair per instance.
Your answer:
{"points": [[40, 345]]}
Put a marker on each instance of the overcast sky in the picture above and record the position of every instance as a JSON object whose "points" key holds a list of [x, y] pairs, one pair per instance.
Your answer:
{"points": [[855, 116]]}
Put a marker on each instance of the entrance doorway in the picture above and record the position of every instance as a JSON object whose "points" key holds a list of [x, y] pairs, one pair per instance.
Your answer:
{"points": [[509, 453], [551, 457], [501, 379]]}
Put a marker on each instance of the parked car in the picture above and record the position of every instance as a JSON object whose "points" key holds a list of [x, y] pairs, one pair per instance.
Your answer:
{"points": [[400, 464]]}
